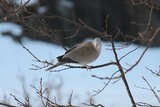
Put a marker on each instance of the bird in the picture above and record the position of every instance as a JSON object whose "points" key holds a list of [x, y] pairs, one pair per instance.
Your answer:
{"points": [[83, 54]]}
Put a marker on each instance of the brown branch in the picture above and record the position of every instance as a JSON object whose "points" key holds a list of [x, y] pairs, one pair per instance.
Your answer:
{"points": [[148, 89], [84, 67], [157, 73], [142, 104], [148, 3], [24, 104], [20, 8], [129, 53], [105, 84], [7, 105], [93, 105], [46, 63], [90, 28], [93, 67], [122, 74], [152, 90], [41, 91], [148, 45], [45, 31], [70, 99], [27, 50]]}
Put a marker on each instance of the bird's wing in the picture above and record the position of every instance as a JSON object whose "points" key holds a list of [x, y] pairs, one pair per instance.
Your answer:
{"points": [[83, 53], [67, 59], [60, 57]]}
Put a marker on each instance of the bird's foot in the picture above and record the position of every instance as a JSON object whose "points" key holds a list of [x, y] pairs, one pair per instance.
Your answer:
{"points": [[88, 67]]}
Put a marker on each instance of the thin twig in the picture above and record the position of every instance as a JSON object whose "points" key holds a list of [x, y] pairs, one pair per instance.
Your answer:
{"points": [[7, 105], [157, 73], [152, 90], [148, 45], [20, 8], [105, 84]]}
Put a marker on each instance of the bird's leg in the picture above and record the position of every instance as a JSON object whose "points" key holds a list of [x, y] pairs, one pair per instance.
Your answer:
{"points": [[88, 67]]}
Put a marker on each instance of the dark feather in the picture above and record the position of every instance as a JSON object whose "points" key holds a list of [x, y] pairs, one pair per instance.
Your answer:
{"points": [[71, 49], [61, 59], [67, 60]]}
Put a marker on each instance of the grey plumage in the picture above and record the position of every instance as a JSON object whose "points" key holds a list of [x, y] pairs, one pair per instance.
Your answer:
{"points": [[83, 54]]}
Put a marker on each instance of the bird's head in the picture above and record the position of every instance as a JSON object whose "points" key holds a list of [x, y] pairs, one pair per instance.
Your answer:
{"points": [[97, 44]]}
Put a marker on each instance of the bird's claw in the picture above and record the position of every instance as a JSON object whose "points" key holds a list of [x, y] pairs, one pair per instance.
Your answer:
{"points": [[88, 67]]}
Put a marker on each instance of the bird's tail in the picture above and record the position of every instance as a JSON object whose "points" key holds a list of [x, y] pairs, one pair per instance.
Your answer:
{"points": [[53, 66]]}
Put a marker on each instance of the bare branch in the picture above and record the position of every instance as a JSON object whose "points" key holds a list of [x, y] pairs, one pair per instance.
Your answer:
{"points": [[70, 99], [142, 104], [40, 91], [152, 90], [122, 74], [105, 84], [6, 105], [24, 104], [20, 8], [157, 73]]}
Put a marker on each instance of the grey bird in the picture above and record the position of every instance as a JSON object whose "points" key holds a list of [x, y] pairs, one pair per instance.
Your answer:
{"points": [[83, 54]]}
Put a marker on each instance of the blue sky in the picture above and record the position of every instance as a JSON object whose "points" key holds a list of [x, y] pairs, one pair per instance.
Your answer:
{"points": [[16, 62]]}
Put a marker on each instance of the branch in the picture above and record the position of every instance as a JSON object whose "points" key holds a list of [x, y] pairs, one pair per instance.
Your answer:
{"points": [[40, 91], [152, 89], [24, 104], [84, 67], [105, 84], [122, 74], [157, 73], [6, 105]]}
